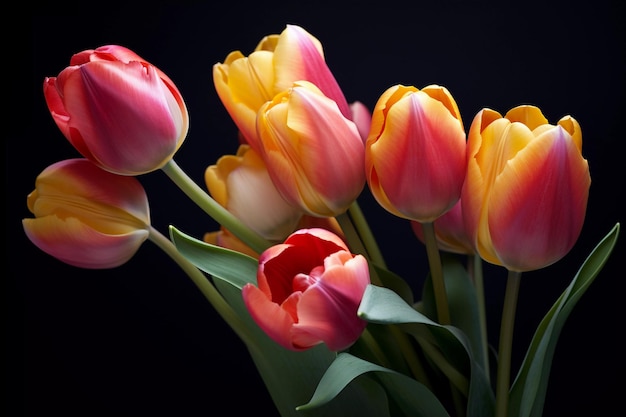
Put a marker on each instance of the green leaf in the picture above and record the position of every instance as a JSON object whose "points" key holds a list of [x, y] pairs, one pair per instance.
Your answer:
{"points": [[381, 305], [462, 302], [234, 267], [412, 398], [528, 392], [395, 282]]}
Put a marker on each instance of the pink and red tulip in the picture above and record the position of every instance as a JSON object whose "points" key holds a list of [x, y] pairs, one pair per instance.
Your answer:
{"points": [[245, 83], [87, 217], [242, 185], [119, 111], [449, 231], [313, 153], [309, 290], [415, 152], [525, 197]]}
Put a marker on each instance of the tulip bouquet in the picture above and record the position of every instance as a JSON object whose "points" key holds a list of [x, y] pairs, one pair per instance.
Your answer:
{"points": [[294, 268]]}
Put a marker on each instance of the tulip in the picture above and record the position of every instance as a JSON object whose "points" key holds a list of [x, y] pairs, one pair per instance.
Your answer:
{"points": [[117, 110], [449, 231], [525, 196], [415, 152], [313, 153], [362, 118], [241, 184], [309, 290], [87, 217], [244, 84]]}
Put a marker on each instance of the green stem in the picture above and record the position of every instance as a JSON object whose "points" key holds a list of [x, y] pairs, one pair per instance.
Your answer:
{"points": [[476, 265], [354, 239], [436, 273], [213, 208], [366, 235], [505, 346], [202, 282], [355, 242]]}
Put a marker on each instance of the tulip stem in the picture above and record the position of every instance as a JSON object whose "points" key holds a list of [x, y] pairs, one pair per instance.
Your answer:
{"points": [[203, 283], [365, 233], [436, 273], [505, 345], [476, 270], [214, 209]]}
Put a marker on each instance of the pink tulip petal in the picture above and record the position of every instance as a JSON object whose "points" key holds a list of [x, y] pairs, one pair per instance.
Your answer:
{"points": [[271, 317], [77, 244]]}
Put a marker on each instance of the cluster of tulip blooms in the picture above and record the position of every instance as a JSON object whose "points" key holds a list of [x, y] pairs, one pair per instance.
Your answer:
{"points": [[294, 269]]}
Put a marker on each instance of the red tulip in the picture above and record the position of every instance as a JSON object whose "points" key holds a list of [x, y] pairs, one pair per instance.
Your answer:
{"points": [[117, 110], [309, 290], [87, 217]]}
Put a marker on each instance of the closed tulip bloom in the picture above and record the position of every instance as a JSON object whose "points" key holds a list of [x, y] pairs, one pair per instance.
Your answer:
{"points": [[525, 197], [309, 290], [87, 217], [242, 185], [415, 152], [449, 231], [313, 153], [245, 83], [117, 110]]}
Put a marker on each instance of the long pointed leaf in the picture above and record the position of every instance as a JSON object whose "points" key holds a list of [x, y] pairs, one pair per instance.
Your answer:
{"points": [[527, 395]]}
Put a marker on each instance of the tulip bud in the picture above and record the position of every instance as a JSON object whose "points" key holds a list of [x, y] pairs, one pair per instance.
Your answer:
{"points": [[309, 290], [313, 153], [525, 196], [87, 217], [117, 110], [415, 152], [244, 84], [242, 185]]}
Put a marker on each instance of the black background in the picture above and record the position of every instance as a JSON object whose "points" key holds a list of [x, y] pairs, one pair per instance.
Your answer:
{"points": [[141, 340]]}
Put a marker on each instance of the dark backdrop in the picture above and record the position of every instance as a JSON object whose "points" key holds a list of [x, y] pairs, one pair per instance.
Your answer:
{"points": [[141, 340]]}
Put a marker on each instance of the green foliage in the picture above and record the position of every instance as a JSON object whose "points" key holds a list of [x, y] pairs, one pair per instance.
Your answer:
{"points": [[527, 395]]}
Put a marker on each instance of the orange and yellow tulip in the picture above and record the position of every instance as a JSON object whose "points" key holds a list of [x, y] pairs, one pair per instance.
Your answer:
{"points": [[415, 152], [527, 185], [309, 290], [119, 111], [87, 217], [313, 153], [245, 83], [242, 185]]}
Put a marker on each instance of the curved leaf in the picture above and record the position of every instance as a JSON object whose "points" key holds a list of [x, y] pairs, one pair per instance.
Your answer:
{"points": [[234, 267], [528, 391], [413, 398], [381, 305]]}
